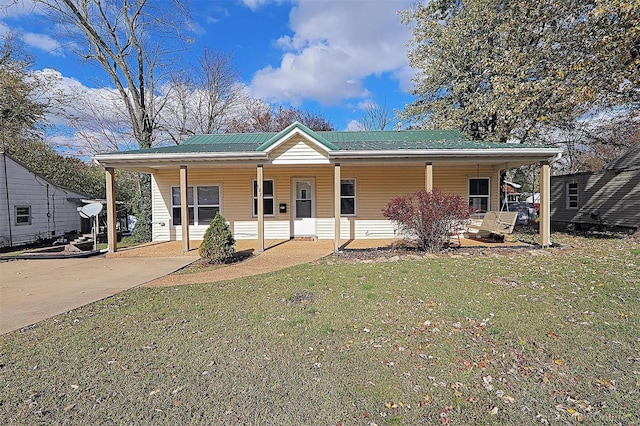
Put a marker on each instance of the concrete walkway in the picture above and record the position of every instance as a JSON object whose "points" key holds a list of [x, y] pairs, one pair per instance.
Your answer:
{"points": [[33, 290], [278, 255]]}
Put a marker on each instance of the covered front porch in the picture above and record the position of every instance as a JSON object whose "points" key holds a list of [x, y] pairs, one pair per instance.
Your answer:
{"points": [[318, 185], [308, 206]]}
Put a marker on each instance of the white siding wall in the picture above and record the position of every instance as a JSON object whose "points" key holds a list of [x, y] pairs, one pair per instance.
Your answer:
{"points": [[51, 215]]}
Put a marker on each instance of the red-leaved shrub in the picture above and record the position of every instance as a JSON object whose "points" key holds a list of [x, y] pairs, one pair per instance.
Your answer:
{"points": [[429, 216]]}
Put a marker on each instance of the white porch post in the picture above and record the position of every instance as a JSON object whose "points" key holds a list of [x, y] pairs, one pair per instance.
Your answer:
{"points": [[336, 207], [545, 201], [259, 184], [428, 176], [112, 235], [184, 208]]}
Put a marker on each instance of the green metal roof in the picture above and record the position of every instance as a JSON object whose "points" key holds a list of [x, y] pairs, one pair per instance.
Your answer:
{"points": [[334, 141]]}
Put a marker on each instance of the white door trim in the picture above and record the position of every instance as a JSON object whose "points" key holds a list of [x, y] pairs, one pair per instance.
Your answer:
{"points": [[306, 226]]}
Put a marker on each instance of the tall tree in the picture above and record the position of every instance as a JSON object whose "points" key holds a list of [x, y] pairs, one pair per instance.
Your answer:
{"points": [[204, 98], [500, 70], [259, 116], [22, 110], [24, 106], [132, 41], [376, 117]]}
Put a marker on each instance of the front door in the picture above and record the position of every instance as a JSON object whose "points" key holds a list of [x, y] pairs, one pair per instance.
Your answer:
{"points": [[304, 217]]}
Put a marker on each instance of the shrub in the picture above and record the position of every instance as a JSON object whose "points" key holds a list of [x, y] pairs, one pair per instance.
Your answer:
{"points": [[429, 216], [218, 245]]}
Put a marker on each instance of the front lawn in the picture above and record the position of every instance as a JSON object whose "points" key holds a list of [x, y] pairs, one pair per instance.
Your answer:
{"points": [[493, 337]]}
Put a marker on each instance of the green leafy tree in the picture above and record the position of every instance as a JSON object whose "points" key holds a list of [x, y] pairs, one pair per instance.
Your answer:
{"points": [[22, 125], [500, 69], [21, 113], [68, 172], [218, 244]]}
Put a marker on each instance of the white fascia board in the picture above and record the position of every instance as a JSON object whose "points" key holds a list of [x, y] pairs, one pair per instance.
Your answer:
{"points": [[539, 153], [148, 160], [299, 132]]}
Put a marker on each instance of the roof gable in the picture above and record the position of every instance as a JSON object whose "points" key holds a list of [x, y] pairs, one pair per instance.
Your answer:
{"points": [[297, 129], [627, 161]]}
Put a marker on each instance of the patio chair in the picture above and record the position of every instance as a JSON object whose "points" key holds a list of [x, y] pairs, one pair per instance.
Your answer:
{"points": [[494, 226]]}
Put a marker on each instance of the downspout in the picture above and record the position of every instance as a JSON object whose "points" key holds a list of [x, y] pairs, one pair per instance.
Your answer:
{"points": [[6, 187], [48, 214]]}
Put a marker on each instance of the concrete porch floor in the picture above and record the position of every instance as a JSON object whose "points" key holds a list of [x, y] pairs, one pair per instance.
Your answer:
{"points": [[286, 247]]}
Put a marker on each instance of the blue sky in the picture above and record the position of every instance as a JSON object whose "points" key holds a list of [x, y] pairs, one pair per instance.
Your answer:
{"points": [[327, 56]]}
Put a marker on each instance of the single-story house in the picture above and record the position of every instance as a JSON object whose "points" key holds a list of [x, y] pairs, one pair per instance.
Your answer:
{"points": [[33, 209], [295, 183], [608, 198]]}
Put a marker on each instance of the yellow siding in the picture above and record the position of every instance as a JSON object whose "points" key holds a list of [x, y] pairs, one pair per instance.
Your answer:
{"points": [[298, 151], [375, 187]]}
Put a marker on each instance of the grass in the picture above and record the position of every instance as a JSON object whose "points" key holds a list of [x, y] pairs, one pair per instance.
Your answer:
{"points": [[125, 242], [496, 338]]}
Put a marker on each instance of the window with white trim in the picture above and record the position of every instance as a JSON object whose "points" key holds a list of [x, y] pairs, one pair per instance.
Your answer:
{"points": [[572, 195], [268, 198], [479, 194], [23, 215], [348, 197], [202, 208]]}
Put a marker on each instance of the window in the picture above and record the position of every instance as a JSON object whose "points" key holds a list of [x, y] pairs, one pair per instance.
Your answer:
{"points": [[202, 208], [572, 195], [23, 215], [267, 194], [479, 194], [208, 204], [348, 197]]}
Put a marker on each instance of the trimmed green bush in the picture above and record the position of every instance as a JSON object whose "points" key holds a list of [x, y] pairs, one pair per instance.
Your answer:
{"points": [[218, 244]]}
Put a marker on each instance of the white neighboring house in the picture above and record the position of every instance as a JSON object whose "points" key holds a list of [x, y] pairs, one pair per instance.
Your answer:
{"points": [[32, 208]]}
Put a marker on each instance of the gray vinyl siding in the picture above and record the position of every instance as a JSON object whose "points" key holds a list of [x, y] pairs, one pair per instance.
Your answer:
{"points": [[608, 197]]}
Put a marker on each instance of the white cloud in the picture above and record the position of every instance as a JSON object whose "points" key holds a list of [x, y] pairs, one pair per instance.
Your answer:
{"points": [[335, 46], [12, 11], [354, 126], [367, 104], [43, 42], [254, 4], [17, 8]]}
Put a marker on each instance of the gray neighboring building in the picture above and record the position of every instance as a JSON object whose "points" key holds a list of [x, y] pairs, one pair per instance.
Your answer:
{"points": [[33, 209], [609, 198]]}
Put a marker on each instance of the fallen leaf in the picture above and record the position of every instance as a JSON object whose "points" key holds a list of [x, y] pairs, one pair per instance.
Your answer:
{"points": [[552, 334]]}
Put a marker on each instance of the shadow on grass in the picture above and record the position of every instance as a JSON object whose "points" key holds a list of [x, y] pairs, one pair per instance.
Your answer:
{"points": [[202, 265]]}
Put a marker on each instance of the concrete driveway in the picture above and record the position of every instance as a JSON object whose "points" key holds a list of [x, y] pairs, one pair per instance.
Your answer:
{"points": [[33, 290]]}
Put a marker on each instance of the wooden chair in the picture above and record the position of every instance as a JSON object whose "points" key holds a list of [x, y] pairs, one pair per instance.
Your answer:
{"points": [[494, 226]]}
